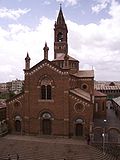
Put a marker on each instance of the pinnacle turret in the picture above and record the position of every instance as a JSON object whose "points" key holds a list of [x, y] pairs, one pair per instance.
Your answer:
{"points": [[46, 48], [27, 62]]}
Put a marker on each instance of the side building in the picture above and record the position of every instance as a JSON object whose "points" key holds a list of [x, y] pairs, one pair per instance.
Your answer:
{"points": [[116, 106], [111, 89], [3, 120], [100, 105]]}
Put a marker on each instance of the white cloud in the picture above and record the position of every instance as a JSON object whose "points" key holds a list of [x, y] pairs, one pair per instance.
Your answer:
{"points": [[13, 14], [17, 40], [5, 68], [47, 2], [69, 2], [95, 45], [101, 4], [98, 45]]}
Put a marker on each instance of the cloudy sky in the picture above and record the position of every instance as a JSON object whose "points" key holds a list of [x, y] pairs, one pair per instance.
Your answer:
{"points": [[93, 34]]}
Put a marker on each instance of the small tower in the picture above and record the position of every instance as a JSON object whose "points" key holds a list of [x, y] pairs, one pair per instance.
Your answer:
{"points": [[46, 48], [60, 36], [27, 62]]}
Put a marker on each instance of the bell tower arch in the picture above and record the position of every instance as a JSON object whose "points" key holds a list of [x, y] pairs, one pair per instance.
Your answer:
{"points": [[60, 36]]}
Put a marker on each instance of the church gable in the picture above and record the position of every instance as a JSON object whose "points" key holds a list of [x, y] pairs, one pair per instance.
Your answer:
{"points": [[43, 78], [45, 64]]}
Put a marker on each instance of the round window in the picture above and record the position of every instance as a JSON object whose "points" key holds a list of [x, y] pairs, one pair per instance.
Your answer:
{"points": [[79, 107], [84, 86]]}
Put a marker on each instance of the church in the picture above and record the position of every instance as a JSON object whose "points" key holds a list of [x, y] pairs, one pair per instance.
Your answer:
{"points": [[58, 97]]}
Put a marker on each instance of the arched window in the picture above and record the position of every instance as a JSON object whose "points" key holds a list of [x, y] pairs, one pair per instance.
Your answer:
{"points": [[46, 92], [60, 37], [43, 92], [46, 85]]}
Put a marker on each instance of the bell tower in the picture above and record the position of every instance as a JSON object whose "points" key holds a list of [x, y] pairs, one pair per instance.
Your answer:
{"points": [[60, 36]]}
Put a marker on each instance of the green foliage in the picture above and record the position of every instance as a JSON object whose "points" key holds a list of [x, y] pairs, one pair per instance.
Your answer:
{"points": [[7, 95]]}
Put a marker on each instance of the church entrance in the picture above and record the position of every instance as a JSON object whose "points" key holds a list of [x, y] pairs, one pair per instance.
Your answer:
{"points": [[46, 123], [46, 126], [79, 129], [18, 126]]}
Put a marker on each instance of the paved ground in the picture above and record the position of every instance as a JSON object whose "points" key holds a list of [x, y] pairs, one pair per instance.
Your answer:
{"points": [[33, 148]]}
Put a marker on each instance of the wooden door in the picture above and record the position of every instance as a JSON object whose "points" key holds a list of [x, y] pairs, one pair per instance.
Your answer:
{"points": [[79, 129], [46, 126]]}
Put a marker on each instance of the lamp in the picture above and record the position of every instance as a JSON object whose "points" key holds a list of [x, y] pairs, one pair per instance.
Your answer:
{"points": [[103, 135]]}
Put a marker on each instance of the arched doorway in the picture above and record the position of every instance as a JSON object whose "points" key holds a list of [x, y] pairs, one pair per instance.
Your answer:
{"points": [[46, 124], [113, 135], [79, 127], [18, 126], [98, 131]]}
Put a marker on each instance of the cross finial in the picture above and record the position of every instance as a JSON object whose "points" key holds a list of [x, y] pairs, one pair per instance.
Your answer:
{"points": [[60, 6]]}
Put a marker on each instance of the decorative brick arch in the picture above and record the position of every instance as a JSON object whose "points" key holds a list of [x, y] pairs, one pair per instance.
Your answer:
{"points": [[16, 109], [113, 128], [79, 117], [46, 86], [45, 111], [113, 134], [16, 104], [97, 128], [46, 79]]}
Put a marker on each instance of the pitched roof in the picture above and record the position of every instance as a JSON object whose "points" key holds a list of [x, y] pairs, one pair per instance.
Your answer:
{"points": [[44, 61], [117, 100], [15, 97], [99, 94], [81, 93], [84, 74], [106, 87], [61, 58]]}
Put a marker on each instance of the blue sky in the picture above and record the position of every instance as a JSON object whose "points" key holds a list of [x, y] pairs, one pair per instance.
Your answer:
{"points": [[93, 25]]}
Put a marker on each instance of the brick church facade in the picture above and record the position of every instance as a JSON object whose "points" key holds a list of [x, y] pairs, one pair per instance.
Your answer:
{"points": [[58, 98]]}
